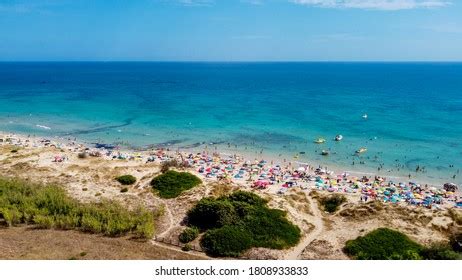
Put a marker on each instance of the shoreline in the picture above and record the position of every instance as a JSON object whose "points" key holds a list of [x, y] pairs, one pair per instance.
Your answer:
{"points": [[345, 179], [222, 150], [370, 163]]}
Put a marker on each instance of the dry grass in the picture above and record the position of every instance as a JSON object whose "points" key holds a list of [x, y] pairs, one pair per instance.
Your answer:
{"points": [[299, 201], [5, 149], [221, 189], [456, 216], [26, 243]]}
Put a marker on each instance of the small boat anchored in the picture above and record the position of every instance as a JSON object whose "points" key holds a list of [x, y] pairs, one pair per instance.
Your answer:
{"points": [[320, 141], [361, 150], [339, 137], [325, 153]]}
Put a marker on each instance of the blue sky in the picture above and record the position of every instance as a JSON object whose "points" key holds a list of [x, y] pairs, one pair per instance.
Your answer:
{"points": [[231, 30]]}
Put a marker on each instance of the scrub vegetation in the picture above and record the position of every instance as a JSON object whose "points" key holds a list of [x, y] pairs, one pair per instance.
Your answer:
{"points": [[387, 244], [332, 202], [237, 222], [48, 206], [172, 183], [126, 179]]}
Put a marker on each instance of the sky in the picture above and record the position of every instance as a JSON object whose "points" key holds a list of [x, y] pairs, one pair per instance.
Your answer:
{"points": [[231, 30]]}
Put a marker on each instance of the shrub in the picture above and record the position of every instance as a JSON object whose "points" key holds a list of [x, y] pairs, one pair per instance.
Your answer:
{"points": [[70, 221], [44, 222], [227, 241], [246, 197], [212, 213], [126, 179], [172, 183], [332, 202], [440, 251], [124, 190], [271, 229], [144, 230], [186, 247], [383, 244], [50, 207], [189, 234], [245, 214], [91, 224], [11, 216]]}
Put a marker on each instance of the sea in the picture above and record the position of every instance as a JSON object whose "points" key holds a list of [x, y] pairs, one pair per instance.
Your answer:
{"points": [[413, 127]]}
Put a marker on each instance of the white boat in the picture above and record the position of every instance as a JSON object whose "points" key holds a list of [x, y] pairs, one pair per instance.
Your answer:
{"points": [[365, 116], [338, 137]]}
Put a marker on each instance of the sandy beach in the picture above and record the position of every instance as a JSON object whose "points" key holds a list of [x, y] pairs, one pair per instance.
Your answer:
{"points": [[427, 213]]}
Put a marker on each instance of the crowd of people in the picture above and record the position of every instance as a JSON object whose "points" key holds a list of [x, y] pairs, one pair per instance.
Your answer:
{"points": [[264, 175]]}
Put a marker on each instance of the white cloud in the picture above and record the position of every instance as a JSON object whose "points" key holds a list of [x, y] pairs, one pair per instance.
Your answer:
{"points": [[390, 5]]}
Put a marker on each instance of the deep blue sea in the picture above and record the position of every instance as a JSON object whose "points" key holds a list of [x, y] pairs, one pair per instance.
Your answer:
{"points": [[414, 109]]}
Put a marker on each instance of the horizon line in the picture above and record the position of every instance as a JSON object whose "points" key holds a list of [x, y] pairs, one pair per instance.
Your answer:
{"points": [[231, 61]]}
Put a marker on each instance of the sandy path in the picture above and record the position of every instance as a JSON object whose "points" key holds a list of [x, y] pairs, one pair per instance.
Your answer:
{"points": [[170, 219], [318, 224], [177, 249]]}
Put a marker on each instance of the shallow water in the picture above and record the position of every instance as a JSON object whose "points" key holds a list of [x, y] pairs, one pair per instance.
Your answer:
{"points": [[414, 109]]}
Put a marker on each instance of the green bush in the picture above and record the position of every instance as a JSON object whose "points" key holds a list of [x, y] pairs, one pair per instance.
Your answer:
{"points": [[189, 234], [44, 222], [50, 207], [227, 241], [246, 214], [212, 213], [440, 251], [172, 183], [124, 190], [65, 222], [271, 229], [186, 247], [387, 244], [91, 224], [383, 244], [246, 197], [126, 179], [332, 202], [11, 216]]}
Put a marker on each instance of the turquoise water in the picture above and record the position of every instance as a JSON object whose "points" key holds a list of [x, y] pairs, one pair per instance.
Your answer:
{"points": [[414, 109]]}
